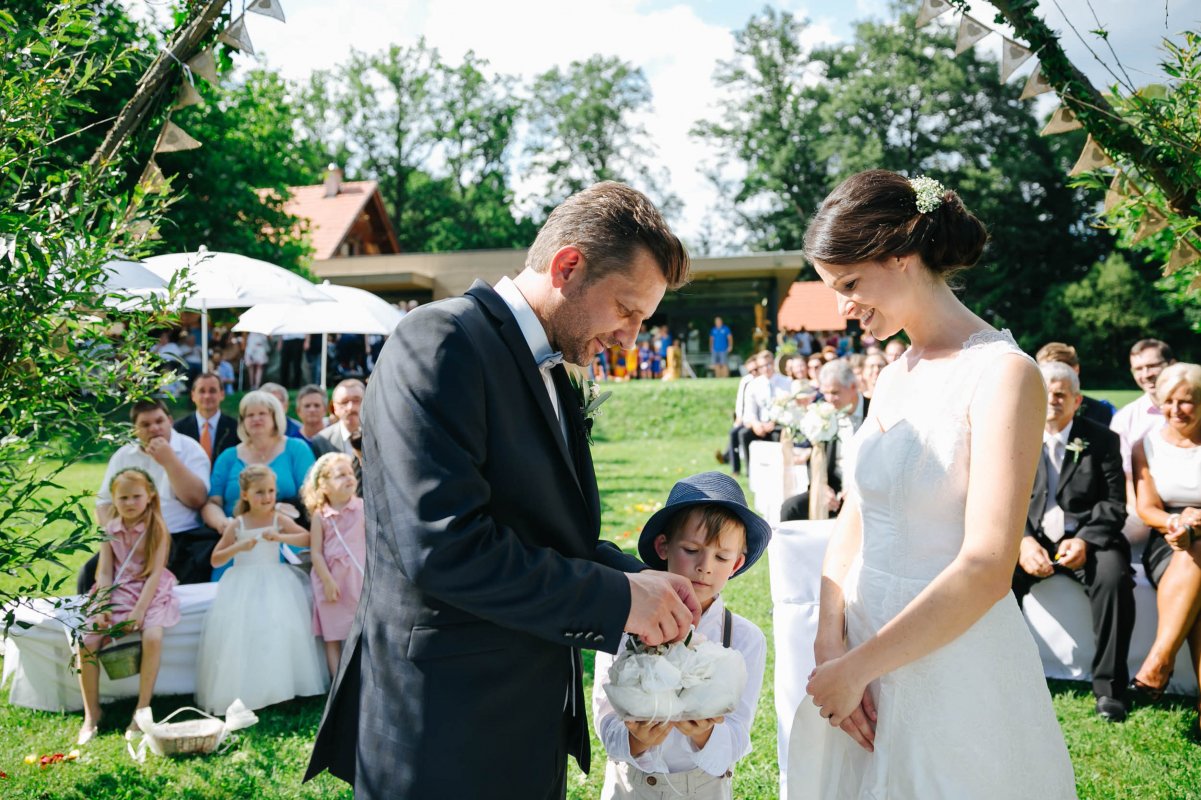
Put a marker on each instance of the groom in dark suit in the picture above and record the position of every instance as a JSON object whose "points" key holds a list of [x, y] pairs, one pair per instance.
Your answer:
{"points": [[485, 575], [1074, 527]]}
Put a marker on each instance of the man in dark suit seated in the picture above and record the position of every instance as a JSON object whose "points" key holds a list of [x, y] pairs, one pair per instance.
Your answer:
{"points": [[837, 384], [215, 431], [1074, 528], [486, 576]]}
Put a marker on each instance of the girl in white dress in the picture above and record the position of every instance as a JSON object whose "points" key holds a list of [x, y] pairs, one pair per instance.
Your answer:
{"points": [[928, 678], [257, 644]]}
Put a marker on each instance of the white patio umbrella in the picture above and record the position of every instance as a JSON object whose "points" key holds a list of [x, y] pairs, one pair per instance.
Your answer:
{"points": [[125, 276], [229, 280], [353, 311]]}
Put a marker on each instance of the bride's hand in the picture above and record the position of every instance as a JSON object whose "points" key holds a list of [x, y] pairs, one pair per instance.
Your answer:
{"points": [[843, 698]]}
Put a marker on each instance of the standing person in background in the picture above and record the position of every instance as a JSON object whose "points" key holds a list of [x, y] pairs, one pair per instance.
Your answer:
{"points": [[291, 356], [721, 342], [256, 357], [1091, 408], [804, 342]]}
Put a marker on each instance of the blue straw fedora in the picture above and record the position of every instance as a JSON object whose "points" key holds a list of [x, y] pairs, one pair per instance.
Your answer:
{"points": [[707, 488]]}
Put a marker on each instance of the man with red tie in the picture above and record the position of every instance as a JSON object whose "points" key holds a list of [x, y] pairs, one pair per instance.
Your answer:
{"points": [[208, 425]]}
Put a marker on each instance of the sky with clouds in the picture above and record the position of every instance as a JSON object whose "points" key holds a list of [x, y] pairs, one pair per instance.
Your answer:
{"points": [[677, 43]]}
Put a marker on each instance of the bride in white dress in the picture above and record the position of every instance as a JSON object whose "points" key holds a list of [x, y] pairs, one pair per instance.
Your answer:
{"points": [[928, 678]]}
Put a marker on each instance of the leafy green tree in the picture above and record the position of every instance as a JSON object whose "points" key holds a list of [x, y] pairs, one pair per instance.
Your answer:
{"points": [[583, 129], [233, 187], [769, 133], [895, 98], [63, 361], [436, 136]]}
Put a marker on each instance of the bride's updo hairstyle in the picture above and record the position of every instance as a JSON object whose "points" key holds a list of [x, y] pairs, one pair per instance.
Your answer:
{"points": [[877, 214]]}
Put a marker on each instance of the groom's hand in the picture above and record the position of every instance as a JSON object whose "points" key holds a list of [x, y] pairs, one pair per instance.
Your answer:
{"points": [[662, 607]]}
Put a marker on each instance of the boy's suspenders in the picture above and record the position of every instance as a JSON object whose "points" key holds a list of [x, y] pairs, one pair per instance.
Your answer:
{"points": [[727, 626]]}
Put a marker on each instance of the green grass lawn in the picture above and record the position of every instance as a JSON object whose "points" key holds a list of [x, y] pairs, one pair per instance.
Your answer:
{"points": [[649, 435]]}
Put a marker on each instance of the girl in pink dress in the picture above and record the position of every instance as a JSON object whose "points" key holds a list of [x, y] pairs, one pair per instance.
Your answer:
{"points": [[133, 582], [339, 549]]}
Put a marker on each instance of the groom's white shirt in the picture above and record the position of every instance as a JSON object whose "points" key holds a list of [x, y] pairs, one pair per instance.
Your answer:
{"points": [[730, 740], [535, 338]]}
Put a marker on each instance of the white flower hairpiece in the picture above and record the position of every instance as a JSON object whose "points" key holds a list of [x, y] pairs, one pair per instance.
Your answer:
{"points": [[929, 193]]}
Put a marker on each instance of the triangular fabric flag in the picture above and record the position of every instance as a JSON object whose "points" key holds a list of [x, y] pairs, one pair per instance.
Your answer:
{"points": [[1091, 157], [1013, 55], [931, 9], [1118, 189], [1195, 284], [236, 36], [205, 66], [188, 96], [153, 181], [1152, 223], [173, 138], [1062, 120], [970, 32], [1183, 254], [268, 8], [1036, 84]]}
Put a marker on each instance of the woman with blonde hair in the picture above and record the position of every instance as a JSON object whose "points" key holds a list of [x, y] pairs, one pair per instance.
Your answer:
{"points": [[261, 427], [1167, 477]]}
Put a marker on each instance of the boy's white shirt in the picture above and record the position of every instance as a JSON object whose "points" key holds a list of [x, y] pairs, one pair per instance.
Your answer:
{"points": [[730, 740]]}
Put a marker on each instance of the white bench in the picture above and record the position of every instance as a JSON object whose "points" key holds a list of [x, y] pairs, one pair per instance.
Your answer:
{"points": [[1056, 609], [38, 659]]}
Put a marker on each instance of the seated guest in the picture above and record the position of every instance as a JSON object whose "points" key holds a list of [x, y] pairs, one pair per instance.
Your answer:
{"points": [[180, 471], [215, 431], [260, 429], [347, 403], [223, 370], [1167, 472], [732, 455], [281, 394], [837, 384], [310, 410], [873, 362], [895, 348], [1133, 421], [762, 393], [1074, 527], [1099, 411]]}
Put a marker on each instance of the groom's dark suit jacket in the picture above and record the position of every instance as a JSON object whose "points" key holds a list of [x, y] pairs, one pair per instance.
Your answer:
{"points": [[1091, 491], [484, 572]]}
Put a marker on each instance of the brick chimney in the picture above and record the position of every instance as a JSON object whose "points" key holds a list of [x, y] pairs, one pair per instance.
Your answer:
{"points": [[333, 180]]}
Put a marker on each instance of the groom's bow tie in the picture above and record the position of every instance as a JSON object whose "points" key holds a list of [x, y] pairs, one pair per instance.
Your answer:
{"points": [[550, 360]]}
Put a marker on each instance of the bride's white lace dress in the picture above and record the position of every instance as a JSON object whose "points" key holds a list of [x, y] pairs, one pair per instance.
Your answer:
{"points": [[972, 719]]}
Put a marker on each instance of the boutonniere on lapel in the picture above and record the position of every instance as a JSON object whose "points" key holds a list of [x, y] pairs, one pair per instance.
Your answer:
{"points": [[1076, 446], [590, 397]]}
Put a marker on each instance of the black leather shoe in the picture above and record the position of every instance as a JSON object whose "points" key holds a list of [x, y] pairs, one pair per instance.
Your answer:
{"points": [[1111, 709]]}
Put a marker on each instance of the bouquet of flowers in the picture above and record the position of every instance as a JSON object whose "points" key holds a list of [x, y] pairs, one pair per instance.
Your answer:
{"points": [[789, 410], [692, 679], [820, 422]]}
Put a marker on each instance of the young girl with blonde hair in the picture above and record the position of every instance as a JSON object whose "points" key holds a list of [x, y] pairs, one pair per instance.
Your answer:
{"points": [[139, 594], [256, 645], [338, 541]]}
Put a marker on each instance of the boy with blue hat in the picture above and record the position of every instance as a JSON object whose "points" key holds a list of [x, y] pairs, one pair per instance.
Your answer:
{"points": [[706, 533]]}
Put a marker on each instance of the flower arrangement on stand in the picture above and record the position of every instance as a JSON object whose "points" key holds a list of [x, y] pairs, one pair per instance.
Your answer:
{"points": [[820, 426], [787, 413]]}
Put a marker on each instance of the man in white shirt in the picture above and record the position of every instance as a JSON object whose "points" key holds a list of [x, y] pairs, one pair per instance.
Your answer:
{"points": [[180, 470], [762, 393], [1148, 358], [732, 455]]}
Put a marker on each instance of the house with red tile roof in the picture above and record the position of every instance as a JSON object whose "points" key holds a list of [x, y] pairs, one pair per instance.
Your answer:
{"points": [[345, 218]]}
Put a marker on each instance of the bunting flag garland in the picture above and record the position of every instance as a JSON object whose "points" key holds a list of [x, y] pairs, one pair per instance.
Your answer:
{"points": [[1091, 157], [931, 9], [1183, 254], [1013, 55], [1152, 223], [153, 181], [188, 96], [173, 139], [1118, 189], [1036, 84], [272, 8], [202, 64], [970, 32], [236, 36], [1195, 284], [1062, 120]]}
